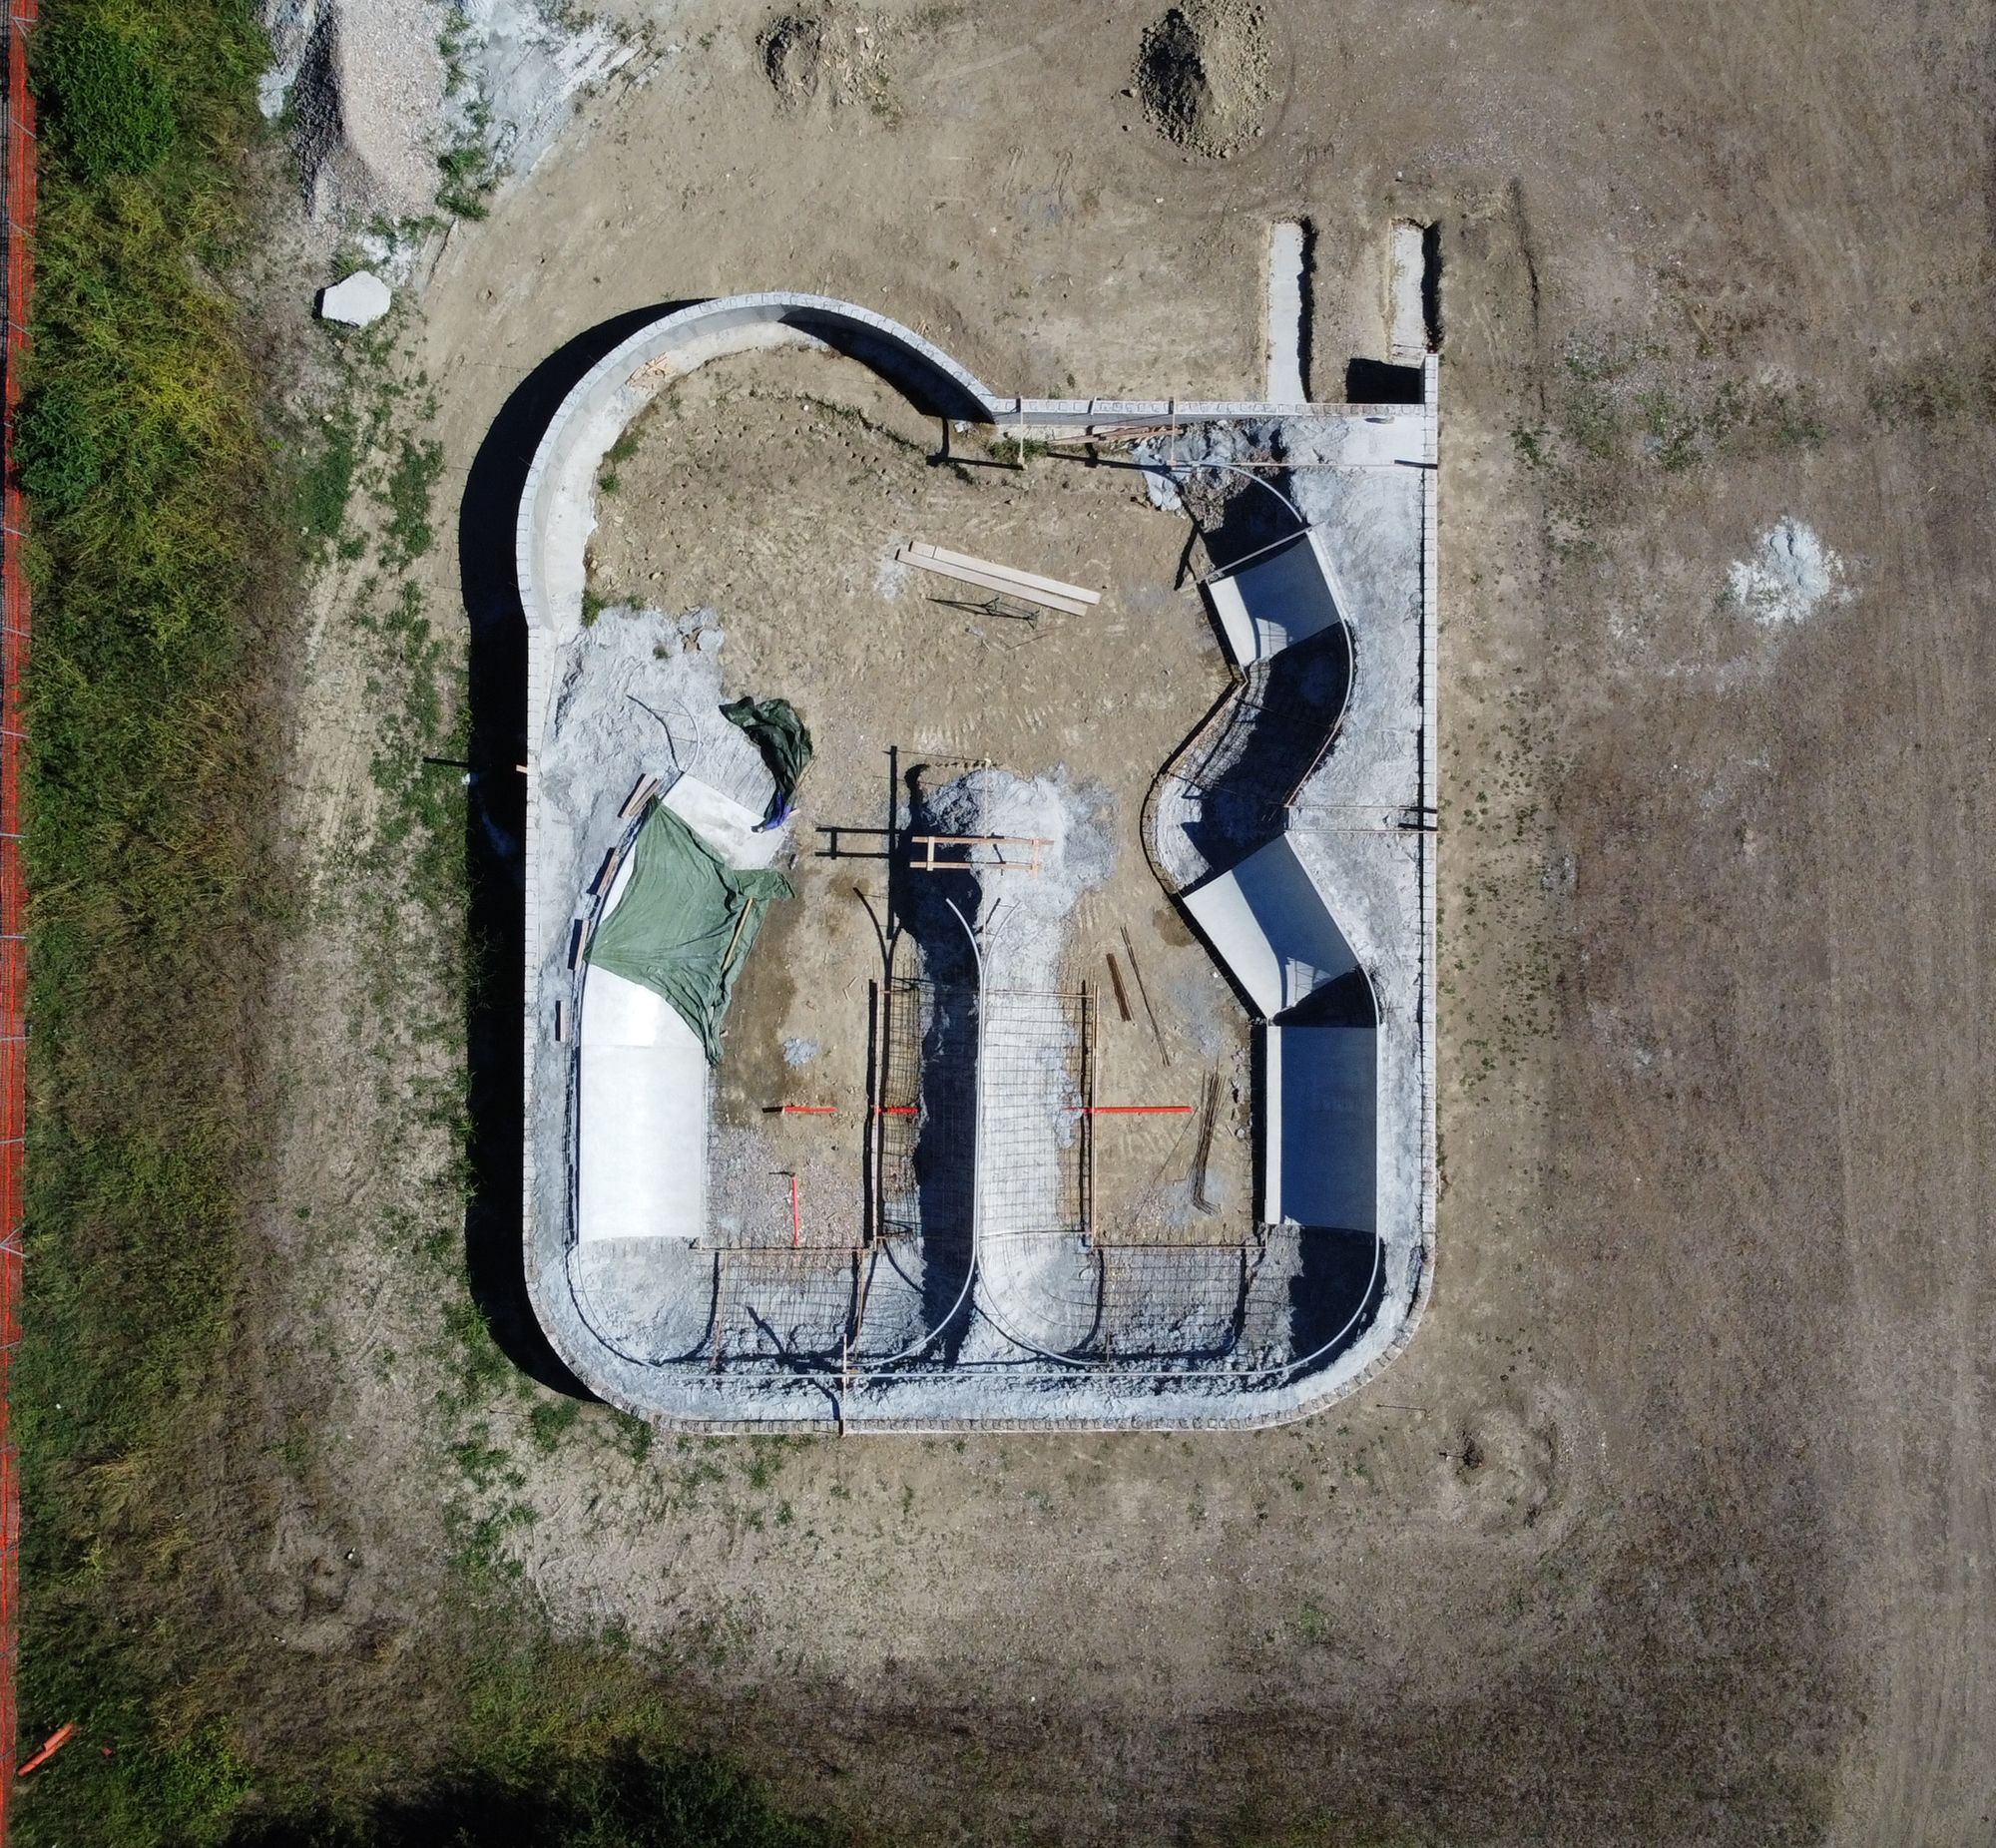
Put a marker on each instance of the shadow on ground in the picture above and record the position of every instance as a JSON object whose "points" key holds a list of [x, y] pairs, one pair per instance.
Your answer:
{"points": [[495, 829]]}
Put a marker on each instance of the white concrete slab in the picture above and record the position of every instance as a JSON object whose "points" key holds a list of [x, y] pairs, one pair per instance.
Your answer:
{"points": [[725, 824], [359, 301], [640, 1108], [1286, 334], [1406, 267]]}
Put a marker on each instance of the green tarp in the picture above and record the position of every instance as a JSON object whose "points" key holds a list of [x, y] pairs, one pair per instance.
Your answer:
{"points": [[785, 743], [684, 924]]}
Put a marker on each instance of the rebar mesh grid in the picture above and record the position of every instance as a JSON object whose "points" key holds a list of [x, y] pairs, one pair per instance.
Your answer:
{"points": [[1034, 1130], [926, 1107]]}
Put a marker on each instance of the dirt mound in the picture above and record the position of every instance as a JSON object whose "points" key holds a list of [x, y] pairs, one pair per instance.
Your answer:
{"points": [[826, 53], [792, 48], [1202, 74]]}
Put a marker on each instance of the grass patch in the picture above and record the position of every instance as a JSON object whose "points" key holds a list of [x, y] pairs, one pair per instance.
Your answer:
{"points": [[167, 519], [413, 479], [549, 1422], [323, 482], [152, 507], [104, 86], [563, 1745]]}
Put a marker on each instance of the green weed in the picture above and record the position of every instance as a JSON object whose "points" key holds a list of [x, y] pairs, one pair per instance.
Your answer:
{"points": [[550, 1420], [109, 105], [323, 482], [413, 479]]}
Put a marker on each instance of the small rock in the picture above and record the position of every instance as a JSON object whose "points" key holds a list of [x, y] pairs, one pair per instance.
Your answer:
{"points": [[359, 301]]}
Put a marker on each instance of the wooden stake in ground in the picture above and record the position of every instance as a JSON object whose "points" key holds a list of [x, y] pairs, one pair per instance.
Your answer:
{"points": [[1115, 982], [1143, 994], [1208, 1118]]}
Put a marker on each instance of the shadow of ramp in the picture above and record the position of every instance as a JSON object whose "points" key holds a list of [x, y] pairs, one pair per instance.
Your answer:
{"points": [[1334, 1296], [495, 830]]}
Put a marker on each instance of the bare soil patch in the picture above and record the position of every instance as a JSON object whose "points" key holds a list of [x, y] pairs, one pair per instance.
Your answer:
{"points": [[830, 53]]}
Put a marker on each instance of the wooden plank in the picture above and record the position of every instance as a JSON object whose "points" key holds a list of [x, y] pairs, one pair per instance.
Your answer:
{"points": [[1115, 982], [1001, 587], [988, 581], [642, 792], [1038, 583], [930, 862]]}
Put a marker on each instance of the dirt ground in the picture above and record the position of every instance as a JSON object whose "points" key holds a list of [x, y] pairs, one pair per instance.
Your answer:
{"points": [[773, 490], [1673, 1524]]}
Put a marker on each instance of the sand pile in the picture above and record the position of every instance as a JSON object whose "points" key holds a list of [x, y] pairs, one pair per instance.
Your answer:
{"points": [[367, 85], [1202, 74]]}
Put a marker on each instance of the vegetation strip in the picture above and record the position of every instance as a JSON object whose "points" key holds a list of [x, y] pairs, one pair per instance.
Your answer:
{"points": [[17, 230], [175, 519]]}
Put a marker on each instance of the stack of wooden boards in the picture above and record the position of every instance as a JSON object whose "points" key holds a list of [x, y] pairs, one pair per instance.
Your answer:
{"points": [[1000, 580]]}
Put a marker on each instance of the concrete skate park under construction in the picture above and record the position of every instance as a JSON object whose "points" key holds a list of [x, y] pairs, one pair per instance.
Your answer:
{"points": [[977, 1254]]}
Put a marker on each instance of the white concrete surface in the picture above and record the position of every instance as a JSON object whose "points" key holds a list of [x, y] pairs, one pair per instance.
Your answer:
{"points": [[730, 827], [1268, 922], [640, 1115], [1406, 267], [1285, 334]]}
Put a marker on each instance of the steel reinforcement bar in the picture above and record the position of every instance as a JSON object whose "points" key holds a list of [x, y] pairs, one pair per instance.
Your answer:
{"points": [[17, 224]]}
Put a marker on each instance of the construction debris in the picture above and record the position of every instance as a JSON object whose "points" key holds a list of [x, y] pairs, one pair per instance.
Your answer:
{"points": [[1028, 587], [359, 301]]}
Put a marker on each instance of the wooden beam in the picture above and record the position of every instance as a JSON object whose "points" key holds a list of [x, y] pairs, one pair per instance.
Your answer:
{"points": [[985, 581], [1031, 578]]}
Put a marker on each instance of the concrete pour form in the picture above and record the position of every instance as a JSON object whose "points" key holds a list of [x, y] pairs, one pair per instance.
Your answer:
{"points": [[1295, 831]]}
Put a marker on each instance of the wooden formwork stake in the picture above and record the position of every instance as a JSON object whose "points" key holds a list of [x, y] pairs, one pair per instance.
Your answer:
{"points": [[1115, 982], [1144, 994]]}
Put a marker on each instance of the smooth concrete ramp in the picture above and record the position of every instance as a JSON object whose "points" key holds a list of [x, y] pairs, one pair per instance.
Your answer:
{"points": [[1320, 1128], [1287, 595], [1269, 924], [640, 1108]]}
